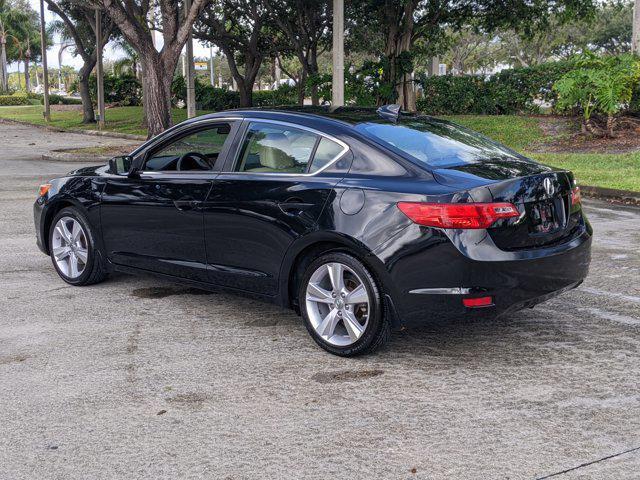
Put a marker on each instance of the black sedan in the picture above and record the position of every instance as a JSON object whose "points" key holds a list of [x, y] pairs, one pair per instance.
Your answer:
{"points": [[360, 220]]}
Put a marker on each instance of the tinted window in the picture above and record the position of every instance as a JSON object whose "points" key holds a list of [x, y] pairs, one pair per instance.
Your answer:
{"points": [[436, 143], [326, 152], [276, 148], [207, 142]]}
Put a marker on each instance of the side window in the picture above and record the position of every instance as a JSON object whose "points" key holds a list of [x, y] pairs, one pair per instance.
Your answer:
{"points": [[326, 152], [196, 151], [276, 148]]}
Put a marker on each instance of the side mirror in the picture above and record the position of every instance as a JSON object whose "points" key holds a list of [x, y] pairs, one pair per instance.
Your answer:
{"points": [[120, 165]]}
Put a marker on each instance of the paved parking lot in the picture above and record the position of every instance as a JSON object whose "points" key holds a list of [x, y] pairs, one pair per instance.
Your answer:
{"points": [[136, 378]]}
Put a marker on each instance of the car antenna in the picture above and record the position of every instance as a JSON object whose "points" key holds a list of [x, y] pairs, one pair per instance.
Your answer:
{"points": [[390, 112]]}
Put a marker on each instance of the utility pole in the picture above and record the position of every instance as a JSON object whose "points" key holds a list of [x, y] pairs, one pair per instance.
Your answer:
{"points": [[191, 82], [212, 77], [337, 94], [99, 72], [635, 37], [45, 73]]}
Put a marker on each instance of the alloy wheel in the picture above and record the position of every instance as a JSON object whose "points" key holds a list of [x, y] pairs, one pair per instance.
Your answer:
{"points": [[337, 304], [70, 247]]}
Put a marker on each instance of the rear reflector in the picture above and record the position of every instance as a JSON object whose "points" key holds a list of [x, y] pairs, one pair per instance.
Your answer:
{"points": [[576, 198], [457, 215], [477, 302]]}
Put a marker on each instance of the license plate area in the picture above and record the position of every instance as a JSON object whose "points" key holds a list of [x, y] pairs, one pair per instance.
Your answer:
{"points": [[543, 217]]}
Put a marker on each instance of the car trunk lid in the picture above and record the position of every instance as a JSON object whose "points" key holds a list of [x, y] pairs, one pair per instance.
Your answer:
{"points": [[541, 194]]}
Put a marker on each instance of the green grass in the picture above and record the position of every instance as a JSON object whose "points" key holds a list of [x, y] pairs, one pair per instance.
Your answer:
{"points": [[610, 170], [119, 119], [518, 132]]}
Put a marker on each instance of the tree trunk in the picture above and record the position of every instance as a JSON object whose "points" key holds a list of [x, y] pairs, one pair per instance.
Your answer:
{"points": [[313, 71], [4, 76], [88, 116], [27, 78], [246, 93], [610, 125], [156, 93], [302, 82]]}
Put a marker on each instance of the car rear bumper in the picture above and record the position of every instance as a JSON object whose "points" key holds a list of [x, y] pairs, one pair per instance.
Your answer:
{"points": [[432, 276]]}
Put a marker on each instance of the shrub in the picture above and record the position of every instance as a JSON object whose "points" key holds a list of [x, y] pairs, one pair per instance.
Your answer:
{"points": [[449, 95], [217, 99], [213, 98], [60, 100], [515, 90], [519, 90], [14, 100], [125, 90], [283, 95], [634, 104], [602, 85]]}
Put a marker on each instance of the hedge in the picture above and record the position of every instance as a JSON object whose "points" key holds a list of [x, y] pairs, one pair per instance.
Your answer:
{"points": [[216, 99], [507, 92], [60, 100], [14, 100]]}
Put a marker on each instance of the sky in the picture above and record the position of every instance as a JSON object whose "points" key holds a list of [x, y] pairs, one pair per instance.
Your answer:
{"points": [[110, 52]]}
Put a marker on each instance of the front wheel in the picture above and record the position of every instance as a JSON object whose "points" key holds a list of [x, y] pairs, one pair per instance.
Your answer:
{"points": [[73, 249], [341, 306]]}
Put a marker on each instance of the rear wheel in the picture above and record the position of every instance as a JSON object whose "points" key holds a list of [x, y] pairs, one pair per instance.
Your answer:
{"points": [[73, 249], [340, 303]]}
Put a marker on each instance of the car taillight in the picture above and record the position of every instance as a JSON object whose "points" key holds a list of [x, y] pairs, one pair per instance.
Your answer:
{"points": [[44, 189], [477, 302], [576, 198], [457, 215]]}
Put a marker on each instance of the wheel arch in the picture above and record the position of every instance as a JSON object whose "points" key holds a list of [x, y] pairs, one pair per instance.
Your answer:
{"points": [[52, 210], [306, 249]]}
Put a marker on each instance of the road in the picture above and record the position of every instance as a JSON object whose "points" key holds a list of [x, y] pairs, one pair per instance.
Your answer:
{"points": [[136, 378]]}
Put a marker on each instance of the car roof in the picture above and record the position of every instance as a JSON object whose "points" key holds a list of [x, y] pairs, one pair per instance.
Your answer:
{"points": [[345, 117]]}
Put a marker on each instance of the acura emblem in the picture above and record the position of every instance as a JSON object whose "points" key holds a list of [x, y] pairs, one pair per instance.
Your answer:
{"points": [[548, 186]]}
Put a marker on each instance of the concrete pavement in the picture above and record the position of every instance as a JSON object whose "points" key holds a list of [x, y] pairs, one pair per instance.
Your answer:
{"points": [[137, 378]]}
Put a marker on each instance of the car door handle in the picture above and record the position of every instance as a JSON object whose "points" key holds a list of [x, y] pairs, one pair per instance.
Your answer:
{"points": [[184, 205], [293, 207]]}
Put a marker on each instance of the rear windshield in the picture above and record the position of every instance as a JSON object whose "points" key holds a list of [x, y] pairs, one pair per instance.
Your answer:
{"points": [[436, 143]]}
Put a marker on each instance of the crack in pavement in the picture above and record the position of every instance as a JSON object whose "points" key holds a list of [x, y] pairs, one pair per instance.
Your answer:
{"points": [[588, 463]]}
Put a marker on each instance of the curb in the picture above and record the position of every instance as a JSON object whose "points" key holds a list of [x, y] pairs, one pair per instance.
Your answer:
{"points": [[99, 133], [75, 159], [626, 197]]}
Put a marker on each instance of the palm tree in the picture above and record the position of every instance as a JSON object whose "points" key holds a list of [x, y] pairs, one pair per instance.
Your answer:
{"points": [[129, 63]]}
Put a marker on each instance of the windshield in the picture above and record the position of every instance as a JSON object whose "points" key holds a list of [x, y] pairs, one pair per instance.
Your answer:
{"points": [[436, 143]]}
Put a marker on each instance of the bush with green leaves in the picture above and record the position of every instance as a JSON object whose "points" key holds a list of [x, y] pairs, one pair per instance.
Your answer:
{"points": [[14, 100], [217, 99], [60, 100], [125, 90], [599, 85], [516, 90], [282, 96]]}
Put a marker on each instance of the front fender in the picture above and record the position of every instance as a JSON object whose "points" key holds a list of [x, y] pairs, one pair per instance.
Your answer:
{"points": [[83, 193]]}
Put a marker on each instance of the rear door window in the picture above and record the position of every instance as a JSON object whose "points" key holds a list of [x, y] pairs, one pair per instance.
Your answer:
{"points": [[273, 148]]}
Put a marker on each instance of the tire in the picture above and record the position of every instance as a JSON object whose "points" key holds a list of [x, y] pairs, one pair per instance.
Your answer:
{"points": [[329, 315], [88, 272]]}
